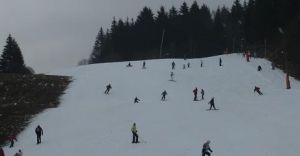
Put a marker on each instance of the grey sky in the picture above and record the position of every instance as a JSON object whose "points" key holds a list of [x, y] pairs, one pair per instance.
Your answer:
{"points": [[55, 34]]}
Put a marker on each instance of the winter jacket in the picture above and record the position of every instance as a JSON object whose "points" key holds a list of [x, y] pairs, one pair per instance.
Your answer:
{"points": [[39, 131], [133, 129], [206, 147]]}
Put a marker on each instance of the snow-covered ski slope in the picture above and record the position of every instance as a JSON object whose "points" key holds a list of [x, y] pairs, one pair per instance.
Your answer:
{"points": [[88, 122]]}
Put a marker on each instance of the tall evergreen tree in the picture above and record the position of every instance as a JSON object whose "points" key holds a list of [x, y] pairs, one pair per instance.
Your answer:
{"points": [[12, 59], [98, 48]]}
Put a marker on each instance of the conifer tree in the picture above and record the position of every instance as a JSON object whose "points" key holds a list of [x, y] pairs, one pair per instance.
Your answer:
{"points": [[12, 59]]}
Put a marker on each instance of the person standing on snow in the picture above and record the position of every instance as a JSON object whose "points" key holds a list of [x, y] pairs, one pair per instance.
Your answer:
{"points": [[39, 133], [206, 149], [164, 93], [220, 62], [212, 103], [173, 65], [108, 88], [201, 64], [202, 94], [135, 137], [188, 64], [195, 91]]}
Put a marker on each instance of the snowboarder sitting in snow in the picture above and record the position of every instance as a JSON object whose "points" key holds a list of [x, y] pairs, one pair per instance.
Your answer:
{"points": [[258, 68], [257, 89], [108, 88], [39, 133], [212, 103], [12, 140], [206, 149], [195, 91], [19, 153], [164, 93], [129, 65], [136, 100], [135, 137], [202, 94]]}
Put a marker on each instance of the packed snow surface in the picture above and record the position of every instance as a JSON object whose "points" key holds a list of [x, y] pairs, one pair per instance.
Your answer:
{"points": [[88, 122]]}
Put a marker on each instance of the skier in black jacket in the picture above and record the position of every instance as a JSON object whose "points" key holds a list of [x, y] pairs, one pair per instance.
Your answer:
{"points": [[39, 133], [212, 103], [206, 149]]}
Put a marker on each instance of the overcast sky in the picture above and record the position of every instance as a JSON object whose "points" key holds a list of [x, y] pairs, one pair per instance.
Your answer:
{"points": [[55, 34]]}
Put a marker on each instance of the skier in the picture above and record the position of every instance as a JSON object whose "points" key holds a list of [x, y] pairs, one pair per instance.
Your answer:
{"points": [[12, 140], [206, 149], [201, 63], [259, 68], [164, 93], [195, 91], [212, 104], [39, 133], [188, 64], [136, 100], [135, 137], [220, 62], [202, 94], [183, 66], [108, 88], [1, 152], [19, 153], [144, 65], [173, 65], [257, 89], [172, 74], [129, 65]]}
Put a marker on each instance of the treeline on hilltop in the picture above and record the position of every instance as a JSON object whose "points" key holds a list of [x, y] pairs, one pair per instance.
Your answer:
{"points": [[269, 28]]}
